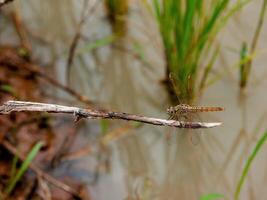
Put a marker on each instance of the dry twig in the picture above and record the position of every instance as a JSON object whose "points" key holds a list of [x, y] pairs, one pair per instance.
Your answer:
{"points": [[21, 31], [50, 79], [85, 13], [2, 2], [18, 106], [10, 58], [40, 172]]}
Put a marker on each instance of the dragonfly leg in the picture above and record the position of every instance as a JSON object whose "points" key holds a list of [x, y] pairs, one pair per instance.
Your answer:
{"points": [[169, 133], [183, 117]]}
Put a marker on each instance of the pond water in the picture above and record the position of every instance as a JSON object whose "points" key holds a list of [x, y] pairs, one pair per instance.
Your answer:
{"points": [[144, 164]]}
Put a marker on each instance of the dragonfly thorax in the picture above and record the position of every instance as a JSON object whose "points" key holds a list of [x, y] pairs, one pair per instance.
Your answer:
{"points": [[179, 109]]}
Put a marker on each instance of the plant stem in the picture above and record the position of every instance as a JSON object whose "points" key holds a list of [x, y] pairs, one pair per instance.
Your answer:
{"points": [[247, 66]]}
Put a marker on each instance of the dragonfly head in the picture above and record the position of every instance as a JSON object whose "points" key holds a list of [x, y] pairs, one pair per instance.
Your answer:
{"points": [[180, 108], [171, 110]]}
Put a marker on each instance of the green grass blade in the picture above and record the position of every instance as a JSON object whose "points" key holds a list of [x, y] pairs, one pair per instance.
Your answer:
{"points": [[248, 164], [7, 89], [104, 125], [208, 68], [23, 167], [188, 24], [97, 44], [147, 6], [157, 8], [237, 6], [13, 167], [212, 197], [243, 66], [218, 10]]}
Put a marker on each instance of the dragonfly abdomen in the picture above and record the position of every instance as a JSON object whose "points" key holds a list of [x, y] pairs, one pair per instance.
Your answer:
{"points": [[184, 108], [204, 109]]}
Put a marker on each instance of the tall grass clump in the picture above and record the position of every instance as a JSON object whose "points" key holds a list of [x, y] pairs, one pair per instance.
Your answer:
{"points": [[188, 29], [117, 11]]}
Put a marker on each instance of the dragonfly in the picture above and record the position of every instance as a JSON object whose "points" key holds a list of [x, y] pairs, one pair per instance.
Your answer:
{"points": [[185, 112]]}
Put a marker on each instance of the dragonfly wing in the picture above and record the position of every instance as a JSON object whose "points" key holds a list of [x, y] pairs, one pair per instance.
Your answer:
{"points": [[194, 137], [168, 135], [194, 134]]}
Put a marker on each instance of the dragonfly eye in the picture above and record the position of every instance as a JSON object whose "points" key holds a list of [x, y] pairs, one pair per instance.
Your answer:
{"points": [[170, 110]]}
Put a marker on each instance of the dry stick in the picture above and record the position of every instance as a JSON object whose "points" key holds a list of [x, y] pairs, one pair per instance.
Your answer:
{"points": [[40, 172], [37, 71], [256, 35], [41, 74], [258, 28], [131, 53], [17, 106], [75, 40], [2, 2], [21, 31], [77, 36]]}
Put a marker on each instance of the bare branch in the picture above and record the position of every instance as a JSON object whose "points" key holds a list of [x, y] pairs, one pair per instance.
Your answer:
{"points": [[18, 106]]}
